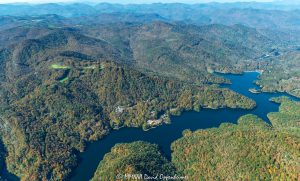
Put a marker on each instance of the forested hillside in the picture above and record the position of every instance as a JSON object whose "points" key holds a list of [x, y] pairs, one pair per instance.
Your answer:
{"points": [[287, 119], [189, 52], [185, 52], [133, 158], [81, 102], [250, 150], [181, 51], [283, 75]]}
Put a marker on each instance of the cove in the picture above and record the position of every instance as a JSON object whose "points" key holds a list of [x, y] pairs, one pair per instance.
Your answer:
{"points": [[164, 135]]}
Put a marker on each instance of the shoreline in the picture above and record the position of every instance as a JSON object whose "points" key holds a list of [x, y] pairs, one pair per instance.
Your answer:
{"points": [[256, 71]]}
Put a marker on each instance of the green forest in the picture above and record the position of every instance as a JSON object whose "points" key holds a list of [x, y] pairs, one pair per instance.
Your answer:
{"points": [[284, 76], [46, 128], [133, 158]]}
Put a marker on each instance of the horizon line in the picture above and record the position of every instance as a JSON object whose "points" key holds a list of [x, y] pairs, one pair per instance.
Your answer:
{"points": [[119, 3]]}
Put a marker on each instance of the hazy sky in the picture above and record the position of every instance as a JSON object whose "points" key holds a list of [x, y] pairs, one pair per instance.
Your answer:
{"points": [[130, 1]]}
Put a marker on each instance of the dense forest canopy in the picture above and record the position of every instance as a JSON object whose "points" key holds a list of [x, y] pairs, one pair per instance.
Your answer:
{"points": [[62, 114], [133, 158], [250, 150]]}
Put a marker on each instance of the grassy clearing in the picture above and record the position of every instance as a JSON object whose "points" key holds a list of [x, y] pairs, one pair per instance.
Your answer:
{"points": [[90, 67], [102, 66], [57, 66], [64, 80]]}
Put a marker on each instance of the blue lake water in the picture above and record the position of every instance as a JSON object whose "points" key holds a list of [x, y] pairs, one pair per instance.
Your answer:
{"points": [[164, 135]]}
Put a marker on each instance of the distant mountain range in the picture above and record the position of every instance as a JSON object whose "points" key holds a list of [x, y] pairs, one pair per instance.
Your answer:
{"points": [[78, 9], [258, 15]]}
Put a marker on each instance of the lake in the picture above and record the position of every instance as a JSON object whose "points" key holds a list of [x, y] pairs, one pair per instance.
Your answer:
{"points": [[164, 135]]}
